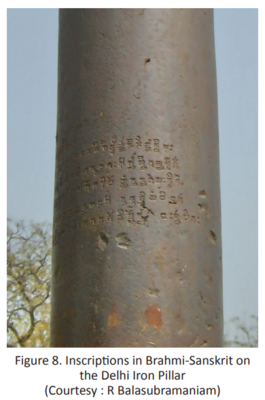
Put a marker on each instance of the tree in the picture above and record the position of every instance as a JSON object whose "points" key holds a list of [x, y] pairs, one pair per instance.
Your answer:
{"points": [[242, 333], [28, 284]]}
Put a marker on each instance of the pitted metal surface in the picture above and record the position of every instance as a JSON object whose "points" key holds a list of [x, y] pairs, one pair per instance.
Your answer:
{"points": [[137, 235]]}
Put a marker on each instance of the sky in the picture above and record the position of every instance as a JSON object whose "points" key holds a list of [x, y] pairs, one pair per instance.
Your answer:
{"points": [[32, 40]]}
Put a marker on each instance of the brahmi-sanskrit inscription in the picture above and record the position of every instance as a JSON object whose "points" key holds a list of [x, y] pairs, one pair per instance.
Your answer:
{"points": [[136, 235], [145, 172]]}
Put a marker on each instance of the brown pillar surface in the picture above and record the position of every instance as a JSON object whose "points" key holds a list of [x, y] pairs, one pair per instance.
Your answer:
{"points": [[137, 233]]}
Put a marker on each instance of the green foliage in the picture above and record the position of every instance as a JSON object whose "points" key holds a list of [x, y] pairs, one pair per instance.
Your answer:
{"points": [[28, 284], [242, 333]]}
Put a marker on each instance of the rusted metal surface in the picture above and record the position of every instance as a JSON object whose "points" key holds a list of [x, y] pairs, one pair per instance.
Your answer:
{"points": [[137, 236]]}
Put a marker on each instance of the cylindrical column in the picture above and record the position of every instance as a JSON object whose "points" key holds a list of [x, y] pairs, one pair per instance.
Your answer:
{"points": [[137, 236]]}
